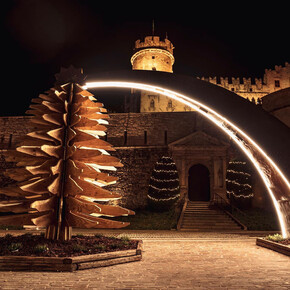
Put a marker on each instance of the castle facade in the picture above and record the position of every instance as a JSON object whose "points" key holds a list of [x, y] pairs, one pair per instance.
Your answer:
{"points": [[156, 54]]}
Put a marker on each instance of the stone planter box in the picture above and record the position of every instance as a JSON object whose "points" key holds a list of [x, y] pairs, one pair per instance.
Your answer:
{"points": [[283, 249], [69, 264]]}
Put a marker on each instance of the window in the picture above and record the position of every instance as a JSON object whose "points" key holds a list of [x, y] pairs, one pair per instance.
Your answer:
{"points": [[154, 68], [277, 84], [125, 137], [153, 57], [170, 104], [152, 104], [165, 137], [145, 137]]}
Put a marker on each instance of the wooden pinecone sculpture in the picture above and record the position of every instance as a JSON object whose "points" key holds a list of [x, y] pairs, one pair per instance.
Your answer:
{"points": [[60, 166]]}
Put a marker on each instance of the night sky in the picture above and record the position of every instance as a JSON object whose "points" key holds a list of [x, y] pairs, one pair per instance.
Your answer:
{"points": [[41, 36]]}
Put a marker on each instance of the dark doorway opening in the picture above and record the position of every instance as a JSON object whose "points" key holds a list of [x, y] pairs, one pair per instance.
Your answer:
{"points": [[198, 183]]}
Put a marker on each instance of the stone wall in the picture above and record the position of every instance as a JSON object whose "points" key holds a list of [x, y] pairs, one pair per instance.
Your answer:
{"points": [[140, 139], [11, 128], [134, 176]]}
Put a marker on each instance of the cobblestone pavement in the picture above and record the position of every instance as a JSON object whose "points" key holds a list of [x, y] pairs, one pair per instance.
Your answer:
{"points": [[204, 261]]}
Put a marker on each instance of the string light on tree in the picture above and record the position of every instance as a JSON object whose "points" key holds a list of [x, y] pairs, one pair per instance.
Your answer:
{"points": [[164, 185], [239, 182]]}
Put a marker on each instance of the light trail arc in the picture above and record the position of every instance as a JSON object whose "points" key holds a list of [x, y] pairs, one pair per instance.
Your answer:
{"points": [[251, 149]]}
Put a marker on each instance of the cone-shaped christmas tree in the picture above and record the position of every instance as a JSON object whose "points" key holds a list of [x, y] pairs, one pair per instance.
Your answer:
{"points": [[60, 166], [164, 185], [238, 180]]}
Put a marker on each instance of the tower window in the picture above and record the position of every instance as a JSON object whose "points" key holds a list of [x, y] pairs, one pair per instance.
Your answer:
{"points": [[153, 57], [125, 137], [165, 137], [170, 104], [277, 84], [152, 104], [145, 137], [154, 68]]}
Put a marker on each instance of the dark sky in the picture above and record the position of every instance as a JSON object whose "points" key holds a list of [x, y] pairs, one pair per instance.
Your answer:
{"points": [[211, 39]]}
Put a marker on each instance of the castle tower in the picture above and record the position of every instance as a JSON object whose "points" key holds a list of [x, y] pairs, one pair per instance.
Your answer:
{"points": [[157, 55], [153, 54]]}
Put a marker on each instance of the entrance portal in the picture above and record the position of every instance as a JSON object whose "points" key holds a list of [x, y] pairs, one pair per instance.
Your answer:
{"points": [[198, 183]]}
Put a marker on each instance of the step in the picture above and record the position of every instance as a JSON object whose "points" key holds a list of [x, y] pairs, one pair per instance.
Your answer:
{"points": [[207, 220], [203, 214], [199, 225], [210, 226], [206, 223], [209, 229], [206, 216], [197, 206], [199, 217]]}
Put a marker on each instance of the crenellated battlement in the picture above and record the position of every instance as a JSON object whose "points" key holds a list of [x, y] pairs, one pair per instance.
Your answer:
{"points": [[154, 41], [232, 81], [255, 88]]}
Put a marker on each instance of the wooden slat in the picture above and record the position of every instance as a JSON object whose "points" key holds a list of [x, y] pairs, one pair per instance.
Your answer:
{"points": [[19, 219], [77, 219], [35, 260], [103, 256], [110, 262], [87, 207], [81, 187]]}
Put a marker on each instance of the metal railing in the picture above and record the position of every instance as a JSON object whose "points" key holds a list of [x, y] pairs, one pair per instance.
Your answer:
{"points": [[228, 208]]}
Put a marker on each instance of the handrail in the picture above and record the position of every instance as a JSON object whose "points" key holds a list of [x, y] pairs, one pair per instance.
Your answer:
{"points": [[182, 214], [223, 204]]}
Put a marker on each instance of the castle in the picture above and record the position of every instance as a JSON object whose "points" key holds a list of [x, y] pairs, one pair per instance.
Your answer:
{"points": [[151, 129], [156, 54]]}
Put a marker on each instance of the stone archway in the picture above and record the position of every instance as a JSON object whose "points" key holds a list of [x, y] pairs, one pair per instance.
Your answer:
{"points": [[253, 130], [198, 183]]}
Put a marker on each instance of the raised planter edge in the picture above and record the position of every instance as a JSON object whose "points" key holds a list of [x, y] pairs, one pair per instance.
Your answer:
{"points": [[70, 264], [283, 249]]}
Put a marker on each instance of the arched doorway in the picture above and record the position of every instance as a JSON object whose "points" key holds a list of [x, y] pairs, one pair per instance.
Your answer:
{"points": [[198, 183]]}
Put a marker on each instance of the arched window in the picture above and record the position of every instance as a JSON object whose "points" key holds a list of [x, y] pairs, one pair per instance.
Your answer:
{"points": [[152, 104]]}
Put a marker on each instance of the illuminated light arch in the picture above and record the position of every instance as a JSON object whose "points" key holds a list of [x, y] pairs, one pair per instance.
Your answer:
{"points": [[276, 182]]}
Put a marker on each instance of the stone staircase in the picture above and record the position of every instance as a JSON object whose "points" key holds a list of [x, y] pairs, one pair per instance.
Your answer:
{"points": [[199, 217]]}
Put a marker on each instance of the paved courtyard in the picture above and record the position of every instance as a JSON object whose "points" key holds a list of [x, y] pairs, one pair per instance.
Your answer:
{"points": [[185, 261]]}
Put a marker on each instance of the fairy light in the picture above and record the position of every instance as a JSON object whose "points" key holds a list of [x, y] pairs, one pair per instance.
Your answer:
{"points": [[239, 172], [240, 186], [164, 189], [228, 127], [161, 180], [163, 199]]}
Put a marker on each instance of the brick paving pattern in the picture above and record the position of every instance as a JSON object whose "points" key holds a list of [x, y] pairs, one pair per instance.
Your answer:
{"points": [[205, 261]]}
